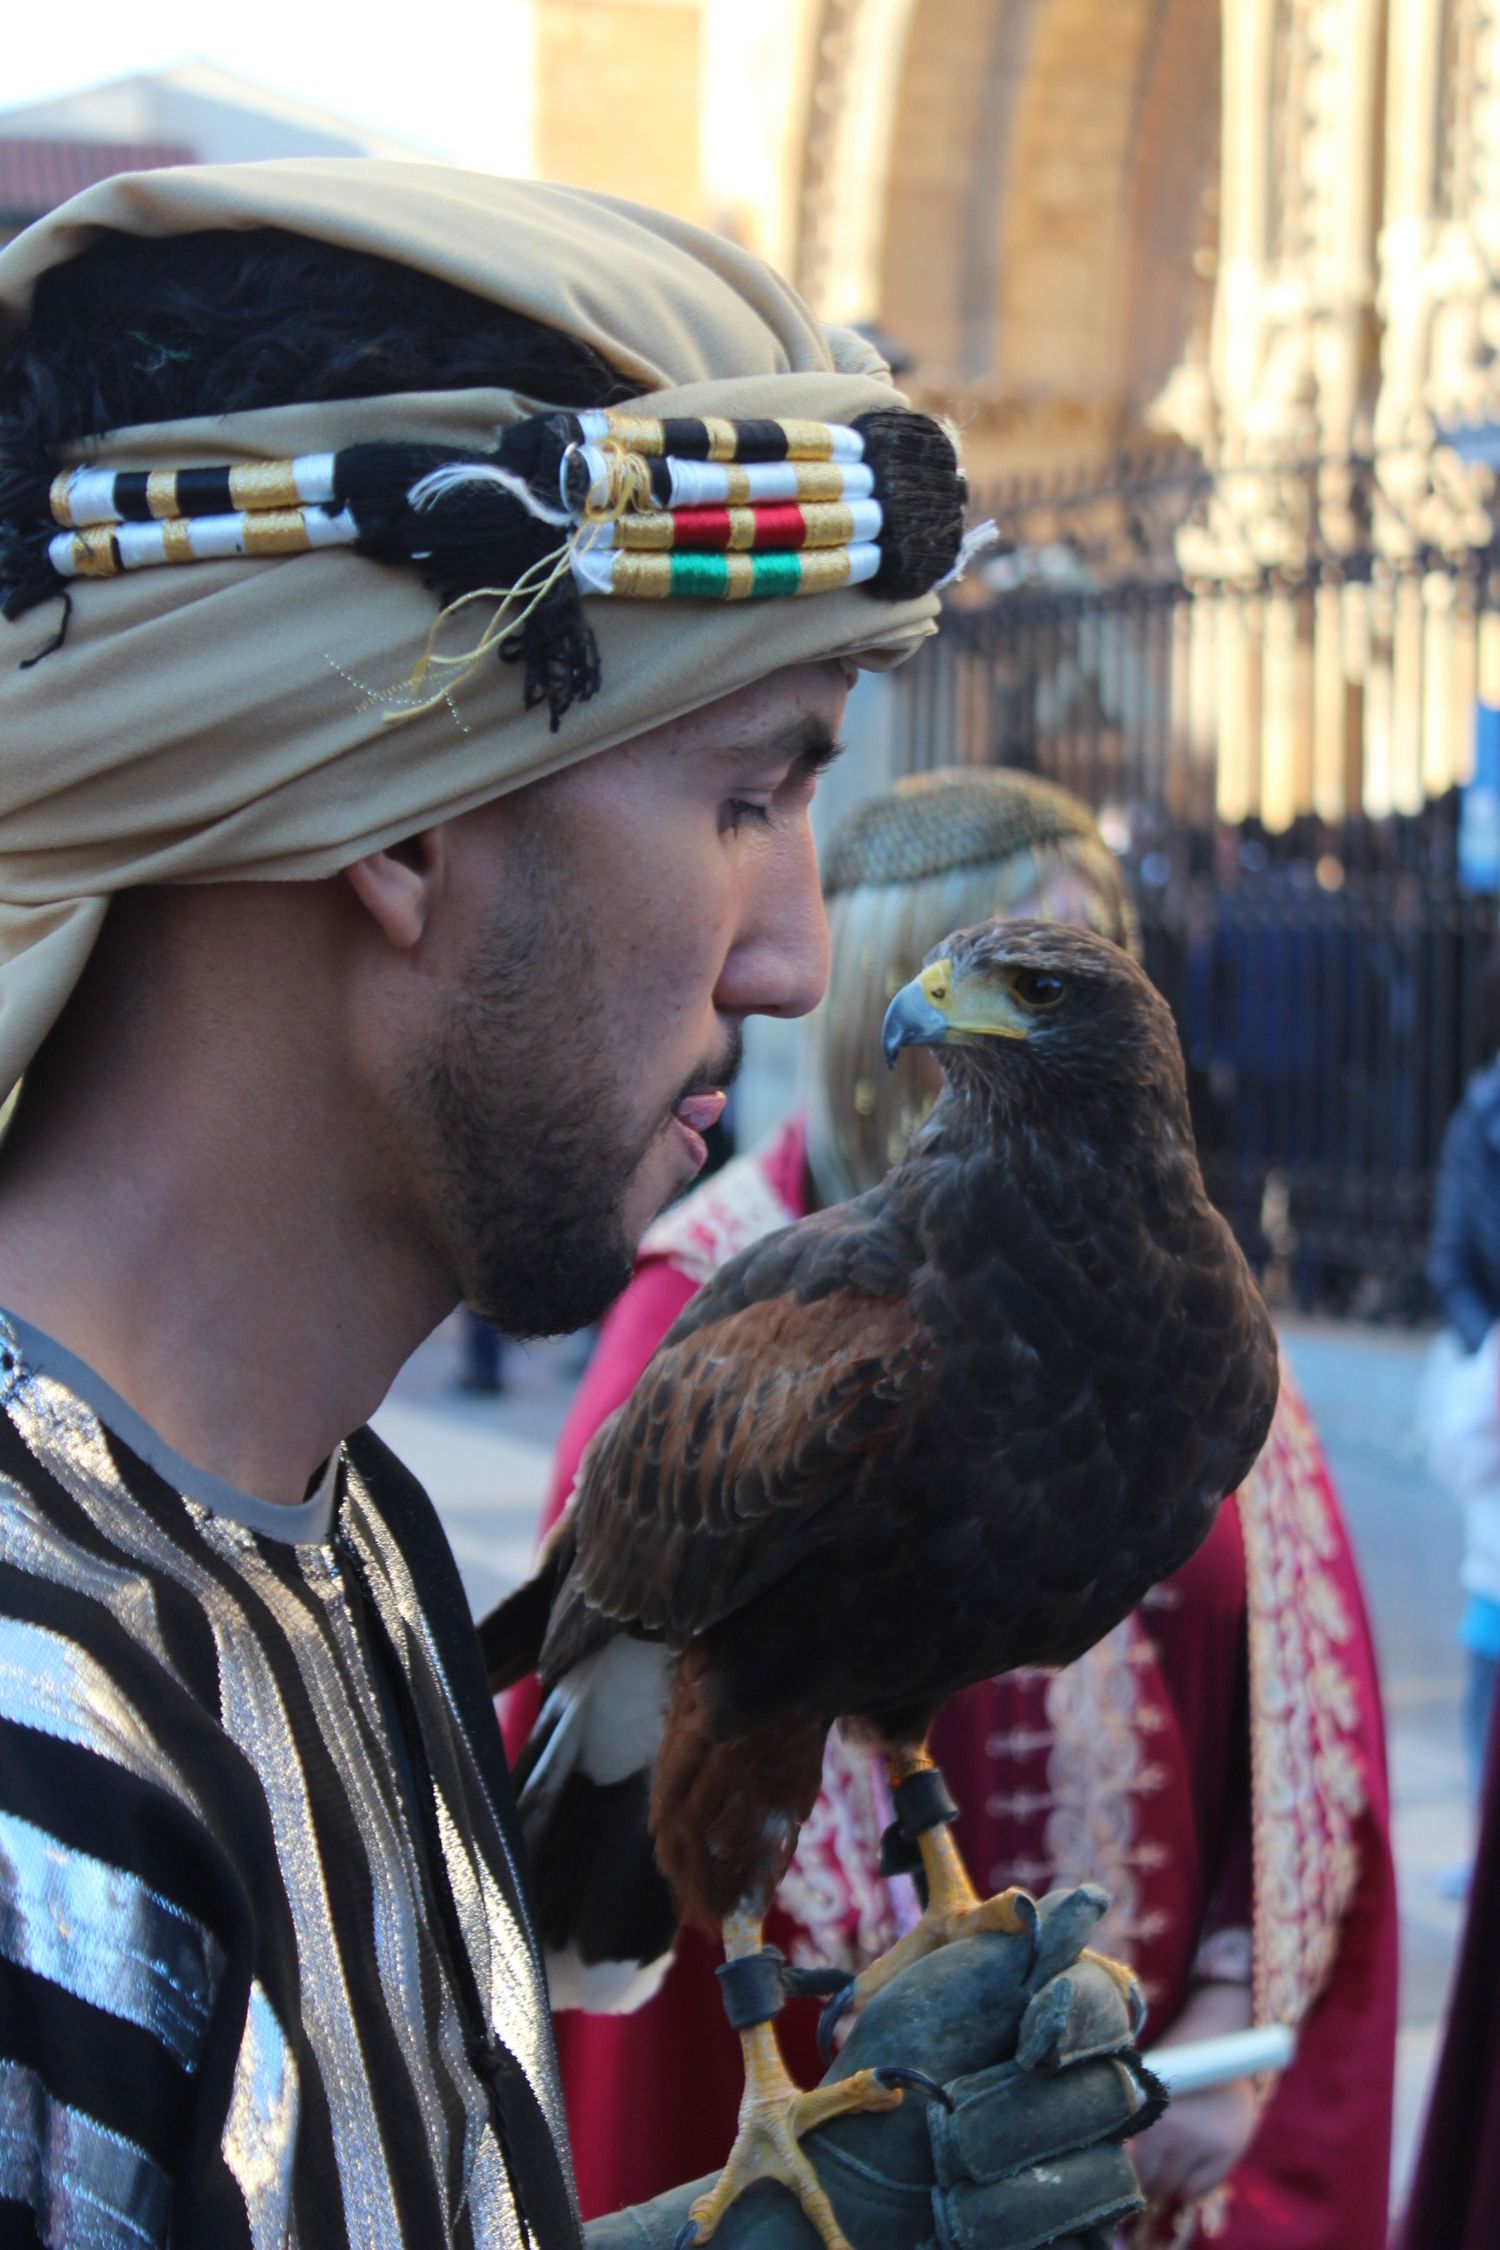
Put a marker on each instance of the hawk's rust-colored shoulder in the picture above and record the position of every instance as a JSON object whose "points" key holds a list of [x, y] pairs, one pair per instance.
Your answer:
{"points": [[787, 1378]]}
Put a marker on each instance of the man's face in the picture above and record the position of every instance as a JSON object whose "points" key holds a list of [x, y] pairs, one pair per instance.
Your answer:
{"points": [[629, 914]]}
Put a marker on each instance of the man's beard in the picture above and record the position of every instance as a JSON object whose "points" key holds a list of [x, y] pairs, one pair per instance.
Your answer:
{"points": [[537, 1147]]}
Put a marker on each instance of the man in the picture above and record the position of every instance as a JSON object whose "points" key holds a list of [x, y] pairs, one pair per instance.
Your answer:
{"points": [[341, 998]]}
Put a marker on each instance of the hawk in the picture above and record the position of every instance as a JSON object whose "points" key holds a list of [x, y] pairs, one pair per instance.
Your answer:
{"points": [[957, 1425]]}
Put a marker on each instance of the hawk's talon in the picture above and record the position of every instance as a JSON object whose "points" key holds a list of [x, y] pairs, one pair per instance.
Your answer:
{"points": [[913, 2081], [829, 2017], [767, 2146], [686, 2235]]}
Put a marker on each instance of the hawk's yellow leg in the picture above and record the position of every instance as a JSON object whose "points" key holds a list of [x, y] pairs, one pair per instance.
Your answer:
{"points": [[954, 1908], [775, 2113]]}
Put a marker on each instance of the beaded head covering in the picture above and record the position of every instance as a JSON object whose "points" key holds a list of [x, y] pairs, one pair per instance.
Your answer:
{"points": [[252, 685], [936, 823], [940, 851]]}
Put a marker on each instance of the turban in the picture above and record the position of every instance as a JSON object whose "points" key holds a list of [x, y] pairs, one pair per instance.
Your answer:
{"points": [[224, 722]]}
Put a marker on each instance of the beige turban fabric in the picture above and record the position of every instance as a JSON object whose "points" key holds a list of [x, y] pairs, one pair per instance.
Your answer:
{"points": [[220, 721]]}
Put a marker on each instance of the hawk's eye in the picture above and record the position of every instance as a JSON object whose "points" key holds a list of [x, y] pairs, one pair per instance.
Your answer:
{"points": [[1036, 988]]}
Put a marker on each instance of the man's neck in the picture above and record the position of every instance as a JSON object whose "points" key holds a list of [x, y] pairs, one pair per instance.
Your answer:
{"points": [[203, 1240], [251, 1334]]}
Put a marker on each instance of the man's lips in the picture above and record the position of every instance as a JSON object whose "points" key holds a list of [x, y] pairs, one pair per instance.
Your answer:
{"points": [[699, 1111]]}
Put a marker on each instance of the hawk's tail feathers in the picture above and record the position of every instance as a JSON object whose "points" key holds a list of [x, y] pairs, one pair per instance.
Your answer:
{"points": [[603, 1909], [511, 1636]]}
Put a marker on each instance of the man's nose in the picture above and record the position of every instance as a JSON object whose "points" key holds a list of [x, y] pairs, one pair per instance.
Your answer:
{"points": [[778, 963]]}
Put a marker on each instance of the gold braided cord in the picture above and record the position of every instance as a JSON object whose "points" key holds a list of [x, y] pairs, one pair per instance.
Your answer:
{"points": [[816, 480], [633, 433], [653, 534], [645, 577], [808, 441], [277, 531], [257, 487], [824, 524], [649, 577], [529, 592], [636, 433], [824, 570], [94, 554], [628, 485], [161, 494], [264, 484]]}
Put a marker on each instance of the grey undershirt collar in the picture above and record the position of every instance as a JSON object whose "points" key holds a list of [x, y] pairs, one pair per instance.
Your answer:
{"points": [[308, 1522]]}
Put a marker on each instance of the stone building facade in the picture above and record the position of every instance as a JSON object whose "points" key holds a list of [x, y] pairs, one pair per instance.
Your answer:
{"points": [[1269, 229]]}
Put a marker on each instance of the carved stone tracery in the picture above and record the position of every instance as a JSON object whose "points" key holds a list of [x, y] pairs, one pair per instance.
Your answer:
{"points": [[1269, 229]]}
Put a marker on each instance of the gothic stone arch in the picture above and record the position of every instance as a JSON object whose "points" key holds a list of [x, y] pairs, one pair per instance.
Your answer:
{"points": [[1038, 216]]}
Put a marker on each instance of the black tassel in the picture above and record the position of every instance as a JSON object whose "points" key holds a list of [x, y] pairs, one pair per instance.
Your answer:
{"points": [[472, 535], [534, 449], [559, 650], [49, 648], [27, 577], [476, 536], [372, 482], [922, 494]]}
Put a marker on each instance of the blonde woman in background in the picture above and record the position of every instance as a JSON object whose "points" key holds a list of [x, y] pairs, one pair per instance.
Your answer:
{"points": [[1217, 1763]]}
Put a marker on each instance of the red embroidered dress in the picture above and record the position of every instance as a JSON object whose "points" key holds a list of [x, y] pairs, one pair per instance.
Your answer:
{"points": [[1217, 1762]]}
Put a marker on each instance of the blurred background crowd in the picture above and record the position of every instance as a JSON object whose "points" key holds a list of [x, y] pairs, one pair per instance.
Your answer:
{"points": [[1212, 290]]}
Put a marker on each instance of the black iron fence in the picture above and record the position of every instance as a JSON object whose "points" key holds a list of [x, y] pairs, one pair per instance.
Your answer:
{"points": [[1304, 912]]}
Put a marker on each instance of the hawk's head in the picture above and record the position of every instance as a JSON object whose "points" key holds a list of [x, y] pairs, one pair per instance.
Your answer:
{"points": [[1049, 1018]]}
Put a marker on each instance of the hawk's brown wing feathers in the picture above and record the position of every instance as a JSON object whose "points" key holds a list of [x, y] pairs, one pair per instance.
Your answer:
{"points": [[717, 1477], [765, 1402]]}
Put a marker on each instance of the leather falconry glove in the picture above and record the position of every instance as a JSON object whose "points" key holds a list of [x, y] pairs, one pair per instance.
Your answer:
{"points": [[1040, 2083]]}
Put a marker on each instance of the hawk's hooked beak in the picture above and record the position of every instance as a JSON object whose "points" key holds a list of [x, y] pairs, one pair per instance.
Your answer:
{"points": [[938, 1006]]}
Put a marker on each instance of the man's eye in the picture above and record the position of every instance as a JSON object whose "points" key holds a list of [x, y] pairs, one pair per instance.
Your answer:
{"points": [[739, 810]]}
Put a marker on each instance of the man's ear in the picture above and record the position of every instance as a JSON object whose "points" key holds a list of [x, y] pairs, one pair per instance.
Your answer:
{"points": [[399, 886]]}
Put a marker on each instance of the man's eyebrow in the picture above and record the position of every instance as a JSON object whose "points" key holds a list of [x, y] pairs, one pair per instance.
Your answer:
{"points": [[809, 747], [820, 756]]}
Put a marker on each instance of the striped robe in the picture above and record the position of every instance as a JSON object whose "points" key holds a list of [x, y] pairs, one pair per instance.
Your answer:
{"points": [[266, 1975]]}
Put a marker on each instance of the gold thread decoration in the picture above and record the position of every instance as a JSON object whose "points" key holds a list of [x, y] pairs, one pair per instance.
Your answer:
{"points": [[278, 531], [530, 590], [628, 485], [264, 485], [177, 540], [95, 554], [161, 494]]}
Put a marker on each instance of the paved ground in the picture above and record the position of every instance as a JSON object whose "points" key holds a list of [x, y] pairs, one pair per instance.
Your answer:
{"points": [[486, 1462], [1362, 1386]]}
